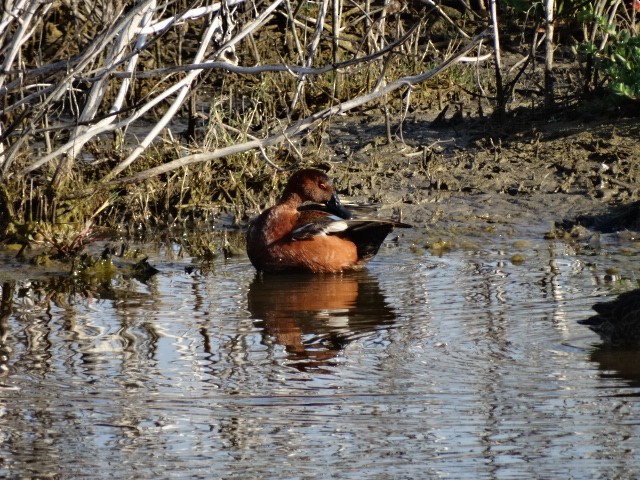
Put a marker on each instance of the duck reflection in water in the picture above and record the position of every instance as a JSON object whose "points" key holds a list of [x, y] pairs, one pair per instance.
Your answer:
{"points": [[316, 316]]}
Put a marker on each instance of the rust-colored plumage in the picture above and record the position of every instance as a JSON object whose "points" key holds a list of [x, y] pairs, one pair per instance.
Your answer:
{"points": [[319, 238]]}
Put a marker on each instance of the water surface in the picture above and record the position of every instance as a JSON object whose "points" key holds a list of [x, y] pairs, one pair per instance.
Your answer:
{"points": [[464, 365]]}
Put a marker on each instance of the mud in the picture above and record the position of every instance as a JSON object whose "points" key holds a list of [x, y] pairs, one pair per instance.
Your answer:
{"points": [[570, 170], [471, 177]]}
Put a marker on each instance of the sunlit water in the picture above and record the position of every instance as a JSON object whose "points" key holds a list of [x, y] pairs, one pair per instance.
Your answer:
{"points": [[464, 365]]}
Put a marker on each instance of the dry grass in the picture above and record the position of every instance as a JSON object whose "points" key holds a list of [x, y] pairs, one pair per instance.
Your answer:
{"points": [[76, 122]]}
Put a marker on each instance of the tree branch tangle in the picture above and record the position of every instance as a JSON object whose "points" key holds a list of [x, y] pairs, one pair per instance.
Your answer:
{"points": [[115, 67]]}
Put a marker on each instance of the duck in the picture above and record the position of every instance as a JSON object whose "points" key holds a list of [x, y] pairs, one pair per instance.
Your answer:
{"points": [[309, 230], [617, 321]]}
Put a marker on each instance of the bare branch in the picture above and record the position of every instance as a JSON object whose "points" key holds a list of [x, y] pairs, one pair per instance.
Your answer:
{"points": [[437, 8], [302, 125], [340, 67], [107, 126]]}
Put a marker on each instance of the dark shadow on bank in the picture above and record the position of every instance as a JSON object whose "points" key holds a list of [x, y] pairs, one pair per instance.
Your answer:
{"points": [[625, 217], [316, 316]]}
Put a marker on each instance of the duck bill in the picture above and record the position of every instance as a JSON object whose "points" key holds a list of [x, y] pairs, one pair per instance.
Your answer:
{"points": [[336, 208]]}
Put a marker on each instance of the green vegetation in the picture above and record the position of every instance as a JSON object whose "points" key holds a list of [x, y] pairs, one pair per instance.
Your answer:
{"points": [[619, 63], [611, 46]]}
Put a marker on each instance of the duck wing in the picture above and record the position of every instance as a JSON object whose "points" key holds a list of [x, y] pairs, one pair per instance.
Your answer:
{"points": [[366, 234], [316, 222]]}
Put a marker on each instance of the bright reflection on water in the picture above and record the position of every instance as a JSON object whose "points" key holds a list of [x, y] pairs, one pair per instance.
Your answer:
{"points": [[464, 365]]}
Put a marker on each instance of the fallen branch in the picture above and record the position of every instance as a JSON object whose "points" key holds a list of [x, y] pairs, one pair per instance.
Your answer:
{"points": [[339, 67], [105, 127], [300, 126]]}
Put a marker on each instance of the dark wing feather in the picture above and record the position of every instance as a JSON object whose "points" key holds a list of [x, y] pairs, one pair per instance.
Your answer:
{"points": [[316, 222], [367, 234]]}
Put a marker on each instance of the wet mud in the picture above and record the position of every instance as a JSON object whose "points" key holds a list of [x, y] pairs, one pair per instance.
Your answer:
{"points": [[578, 171], [457, 181]]}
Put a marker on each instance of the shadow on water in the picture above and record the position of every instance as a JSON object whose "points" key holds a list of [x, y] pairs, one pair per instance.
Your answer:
{"points": [[618, 363], [315, 316], [617, 322]]}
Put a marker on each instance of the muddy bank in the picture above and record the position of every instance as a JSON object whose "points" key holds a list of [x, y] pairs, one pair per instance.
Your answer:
{"points": [[562, 168], [467, 179]]}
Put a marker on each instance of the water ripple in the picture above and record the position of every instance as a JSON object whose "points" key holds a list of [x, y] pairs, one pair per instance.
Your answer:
{"points": [[463, 365]]}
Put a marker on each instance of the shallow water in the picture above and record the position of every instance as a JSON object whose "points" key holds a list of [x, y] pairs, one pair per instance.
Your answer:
{"points": [[465, 365]]}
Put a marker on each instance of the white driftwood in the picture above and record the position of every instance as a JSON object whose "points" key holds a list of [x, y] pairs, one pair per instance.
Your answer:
{"points": [[110, 62], [304, 124], [106, 127]]}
